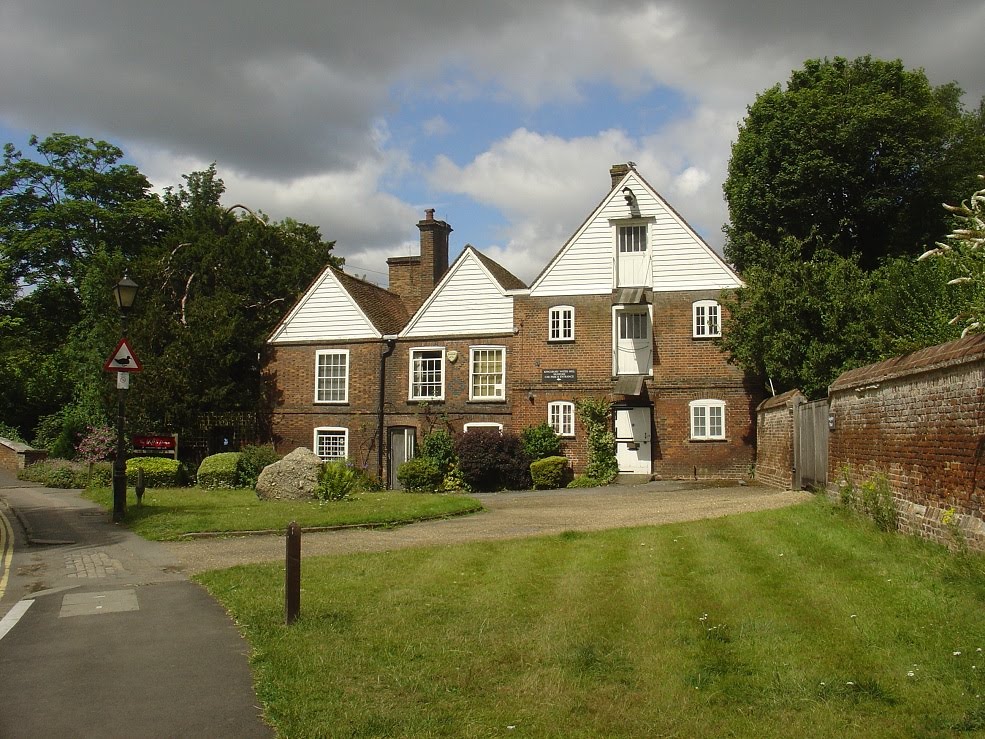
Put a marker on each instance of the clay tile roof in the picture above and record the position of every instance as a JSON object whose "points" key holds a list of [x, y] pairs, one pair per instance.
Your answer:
{"points": [[968, 349], [506, 279], [382, 307], [778, 401]]}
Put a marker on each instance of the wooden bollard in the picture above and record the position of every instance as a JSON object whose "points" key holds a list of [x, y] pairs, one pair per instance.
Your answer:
{"points": [[292, 580], [140, 485]]}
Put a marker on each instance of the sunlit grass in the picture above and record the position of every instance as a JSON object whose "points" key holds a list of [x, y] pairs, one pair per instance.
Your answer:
{"points": [[170, 513], [799, 622]]}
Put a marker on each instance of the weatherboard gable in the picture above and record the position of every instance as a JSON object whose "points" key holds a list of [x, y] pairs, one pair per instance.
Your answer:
{"points": [[679, 259], [326, 312], [469, 300]]}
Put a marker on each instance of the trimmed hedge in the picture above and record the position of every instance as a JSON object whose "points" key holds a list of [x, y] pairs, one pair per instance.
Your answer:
{"points": [[584, 481], [60, 473], [420, 475], [549, 473], [219, 471], [159, 472]]}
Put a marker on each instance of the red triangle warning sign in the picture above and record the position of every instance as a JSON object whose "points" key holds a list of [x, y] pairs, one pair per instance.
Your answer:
{"points": [[123, 359]]}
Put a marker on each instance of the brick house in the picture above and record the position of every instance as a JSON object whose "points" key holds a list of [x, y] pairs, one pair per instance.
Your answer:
{"points": [[627, 309]]}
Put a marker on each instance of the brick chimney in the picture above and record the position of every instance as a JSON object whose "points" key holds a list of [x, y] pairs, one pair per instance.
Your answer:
{"points": [[414, 278], [617, 172], [434, 250]]}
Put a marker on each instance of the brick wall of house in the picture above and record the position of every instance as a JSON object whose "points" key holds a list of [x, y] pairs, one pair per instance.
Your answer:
{"points": [[685, 369], [920, 420], [774, 440]]}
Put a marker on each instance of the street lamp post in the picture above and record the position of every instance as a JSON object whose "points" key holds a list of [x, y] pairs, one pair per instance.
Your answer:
{"points": [[125, 293]]}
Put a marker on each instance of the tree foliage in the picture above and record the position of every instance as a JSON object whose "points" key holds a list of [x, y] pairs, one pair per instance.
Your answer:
{"points": [[964, 252], [851, 156], [803, 320], [213, 282], [833, 188]]}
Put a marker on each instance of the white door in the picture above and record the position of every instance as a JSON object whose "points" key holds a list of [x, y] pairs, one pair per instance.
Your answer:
{"points": [[634, 342], [633, 257], [633, 440]]}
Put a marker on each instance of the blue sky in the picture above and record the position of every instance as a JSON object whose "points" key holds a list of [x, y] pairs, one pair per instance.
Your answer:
{"points": [[504, 116]]}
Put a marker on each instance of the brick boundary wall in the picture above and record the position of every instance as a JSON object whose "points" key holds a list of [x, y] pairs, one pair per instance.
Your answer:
{"points": [[774, 439], [15, 456], [919, 419]]}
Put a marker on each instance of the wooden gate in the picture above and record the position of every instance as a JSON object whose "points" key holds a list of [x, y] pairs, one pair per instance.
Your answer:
{"points": [[810, 444]]}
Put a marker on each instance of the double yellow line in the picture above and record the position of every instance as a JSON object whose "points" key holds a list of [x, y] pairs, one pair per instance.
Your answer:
{"points": [[6, 551]]}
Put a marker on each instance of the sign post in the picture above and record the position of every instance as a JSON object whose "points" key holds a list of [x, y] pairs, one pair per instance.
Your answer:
{"points": [[122, 361]]}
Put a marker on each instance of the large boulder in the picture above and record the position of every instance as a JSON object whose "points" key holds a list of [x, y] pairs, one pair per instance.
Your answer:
{"points": [[292, 478]]}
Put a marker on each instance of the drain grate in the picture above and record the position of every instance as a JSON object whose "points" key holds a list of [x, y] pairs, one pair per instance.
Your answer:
{"points": [[93, 514]]}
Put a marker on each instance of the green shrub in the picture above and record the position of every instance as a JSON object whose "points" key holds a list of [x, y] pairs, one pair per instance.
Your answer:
{"points": [[490, 460], [584, 481], [549, 473], [252, 460], [439, 447], [420, 475], [594, 414], [454, 481], [540, 442], [61, 473], [218, 470], [159, 472], [337, 480], [873, 498]]}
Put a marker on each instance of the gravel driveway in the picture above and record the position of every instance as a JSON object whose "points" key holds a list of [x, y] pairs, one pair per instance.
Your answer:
{"points": [[508, 515]]}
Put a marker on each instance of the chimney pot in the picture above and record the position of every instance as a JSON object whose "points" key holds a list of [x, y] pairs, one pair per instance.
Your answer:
{"points": [[429, 214], [617, 172]]}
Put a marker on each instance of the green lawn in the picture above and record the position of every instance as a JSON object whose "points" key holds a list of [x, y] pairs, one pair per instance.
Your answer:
{"points": [[799, 622], [168, 513]]}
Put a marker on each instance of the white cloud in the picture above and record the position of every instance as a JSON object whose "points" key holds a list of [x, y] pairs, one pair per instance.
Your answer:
{"points": [[292, 100]]}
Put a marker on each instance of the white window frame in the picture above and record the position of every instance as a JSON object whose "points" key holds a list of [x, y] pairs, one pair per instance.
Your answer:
{"points": [[500, 385], [561, 418], [410, 373], [701, 412], [345, 381], [334, 431], [482, 425], [561, 323], [703, 326]]}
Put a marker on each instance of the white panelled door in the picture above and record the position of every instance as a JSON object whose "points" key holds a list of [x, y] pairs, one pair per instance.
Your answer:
{"points": [[634, 342], [633, 440]]}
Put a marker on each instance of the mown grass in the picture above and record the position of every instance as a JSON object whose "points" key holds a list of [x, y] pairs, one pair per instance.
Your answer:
{"points": [[169, 513], [800, 622]]}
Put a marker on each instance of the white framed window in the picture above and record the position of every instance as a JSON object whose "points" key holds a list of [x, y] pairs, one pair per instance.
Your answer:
{"points": [[707, 419], [561, 417], [332, 376], [632, 239], [427, 373], [707, 318], [561, 323], [482, 425], [331, 442], [487, 373]]}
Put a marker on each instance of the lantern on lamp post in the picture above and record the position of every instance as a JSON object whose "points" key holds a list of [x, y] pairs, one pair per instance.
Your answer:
{"points": [[125, 293]]}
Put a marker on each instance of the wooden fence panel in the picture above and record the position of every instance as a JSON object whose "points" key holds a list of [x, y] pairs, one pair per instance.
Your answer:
{"points": [[811, 444]]}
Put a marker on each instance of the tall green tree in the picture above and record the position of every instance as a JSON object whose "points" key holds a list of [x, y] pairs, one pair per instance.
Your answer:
{"points": [[67, 202], [210, 296], [855, 155]]}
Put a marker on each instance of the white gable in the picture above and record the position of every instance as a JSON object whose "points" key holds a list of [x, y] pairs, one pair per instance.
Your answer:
{"points": [[679, 258], [326, 312], [468, 300]]}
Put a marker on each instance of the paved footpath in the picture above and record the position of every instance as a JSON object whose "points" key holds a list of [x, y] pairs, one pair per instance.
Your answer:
{"points": [[103, 635]]}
